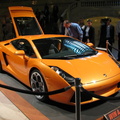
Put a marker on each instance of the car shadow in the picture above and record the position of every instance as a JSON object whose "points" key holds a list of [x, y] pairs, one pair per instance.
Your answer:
{"points": [[84, 107], [72, 108]]}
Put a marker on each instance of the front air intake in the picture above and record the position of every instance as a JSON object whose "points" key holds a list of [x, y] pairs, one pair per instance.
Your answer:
{"points": [[118, 85], [84, 97]]}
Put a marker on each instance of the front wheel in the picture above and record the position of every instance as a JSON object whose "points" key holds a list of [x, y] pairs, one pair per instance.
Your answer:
{"points": [[38, 84]]}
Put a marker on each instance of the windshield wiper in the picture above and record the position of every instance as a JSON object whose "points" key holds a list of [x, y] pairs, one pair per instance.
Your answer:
{"points": [[65, 57], [74, 55], [87, 53]]}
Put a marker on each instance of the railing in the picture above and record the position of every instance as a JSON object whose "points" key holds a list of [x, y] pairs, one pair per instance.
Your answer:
{"points": [[100, 3]]}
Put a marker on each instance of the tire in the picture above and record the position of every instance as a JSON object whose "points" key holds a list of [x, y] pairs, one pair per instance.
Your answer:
{"points": [[38, 84]]}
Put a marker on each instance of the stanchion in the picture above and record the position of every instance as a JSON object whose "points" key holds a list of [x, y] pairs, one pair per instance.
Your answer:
{"points": [[107, 44], [77, 99]]}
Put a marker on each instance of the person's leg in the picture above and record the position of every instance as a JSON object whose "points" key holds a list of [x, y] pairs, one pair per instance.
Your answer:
{"points": [[119, 47]]}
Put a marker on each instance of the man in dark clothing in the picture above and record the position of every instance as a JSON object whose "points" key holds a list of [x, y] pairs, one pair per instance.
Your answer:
{"points": [[8, 30], [89, 33], [118, 37], [107, 33]]}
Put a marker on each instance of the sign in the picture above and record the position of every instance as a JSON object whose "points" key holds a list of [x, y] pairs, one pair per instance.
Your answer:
{"points": [[113, 115]]}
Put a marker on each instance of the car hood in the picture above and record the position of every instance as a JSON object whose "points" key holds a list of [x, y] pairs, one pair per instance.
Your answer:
{"points": [[95, 68]]}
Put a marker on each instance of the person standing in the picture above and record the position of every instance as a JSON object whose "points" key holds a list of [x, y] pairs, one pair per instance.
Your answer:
{"points": [[107, 34], [55, 13], [61, 28], [3, 30], [8, 30], [89, 33], [82, 24], [46, 13], [118, 37], [73, 30]]}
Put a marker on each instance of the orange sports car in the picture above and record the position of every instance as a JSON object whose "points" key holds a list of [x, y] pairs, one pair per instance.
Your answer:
{"points": [[51, 62]]}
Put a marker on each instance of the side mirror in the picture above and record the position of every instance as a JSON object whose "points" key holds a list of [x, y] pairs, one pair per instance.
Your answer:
{"points": [[22, 53], [90, 44], [19, 52]]}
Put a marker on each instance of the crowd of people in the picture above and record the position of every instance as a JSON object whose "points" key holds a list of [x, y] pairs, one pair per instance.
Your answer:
{"points": [[83, 32], [86, 32]]}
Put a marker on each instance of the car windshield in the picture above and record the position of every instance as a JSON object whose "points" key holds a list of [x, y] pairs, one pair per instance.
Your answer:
{"points": [[27, 26], [62, 48]]}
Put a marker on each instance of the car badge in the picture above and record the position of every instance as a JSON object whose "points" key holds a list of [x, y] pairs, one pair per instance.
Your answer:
{"points": [[104, 75]]}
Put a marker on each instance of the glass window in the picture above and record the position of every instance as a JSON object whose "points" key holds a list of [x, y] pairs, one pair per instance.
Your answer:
{"points": [[62, 48], [27, 26], [22, 44]]}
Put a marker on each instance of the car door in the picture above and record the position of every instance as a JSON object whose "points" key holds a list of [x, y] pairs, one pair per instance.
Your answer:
{"points": [[23, 18], [17, 62]]}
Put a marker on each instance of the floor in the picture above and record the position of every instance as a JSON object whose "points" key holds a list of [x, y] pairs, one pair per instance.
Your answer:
{"points": [[13, 107]]}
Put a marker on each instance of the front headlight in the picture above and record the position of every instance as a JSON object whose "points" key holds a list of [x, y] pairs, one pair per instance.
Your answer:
{"points": [[64, 75]]}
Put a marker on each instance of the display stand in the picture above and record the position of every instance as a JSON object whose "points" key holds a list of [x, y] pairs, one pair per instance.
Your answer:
{"points": [[77, 99]]}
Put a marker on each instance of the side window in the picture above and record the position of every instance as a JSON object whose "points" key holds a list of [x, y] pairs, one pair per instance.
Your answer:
{"points": [[23, 44]]}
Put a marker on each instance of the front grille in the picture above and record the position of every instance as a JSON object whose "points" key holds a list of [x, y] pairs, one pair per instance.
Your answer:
{"points": [[84, 97]]}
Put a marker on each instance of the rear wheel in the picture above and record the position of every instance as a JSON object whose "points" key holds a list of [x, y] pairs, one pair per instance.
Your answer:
{"points": [[38, 84]]}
